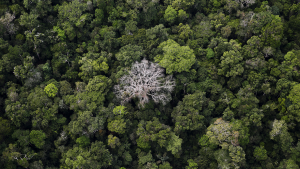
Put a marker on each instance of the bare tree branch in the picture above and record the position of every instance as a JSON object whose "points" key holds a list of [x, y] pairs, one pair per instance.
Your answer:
{"points": [[145, 79]]}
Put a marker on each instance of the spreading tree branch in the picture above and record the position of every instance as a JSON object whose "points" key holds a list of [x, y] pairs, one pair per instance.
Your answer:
{"points": [[145, 79]]}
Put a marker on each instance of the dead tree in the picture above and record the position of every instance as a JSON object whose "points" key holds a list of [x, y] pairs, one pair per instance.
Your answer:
{"points": [[145, 79]]}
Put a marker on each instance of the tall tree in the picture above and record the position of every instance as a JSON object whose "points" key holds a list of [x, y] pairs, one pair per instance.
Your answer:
{"points": [[145, 79], [175, 58]]}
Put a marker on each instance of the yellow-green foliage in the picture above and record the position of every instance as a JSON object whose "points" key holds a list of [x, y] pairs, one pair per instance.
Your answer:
{"points": [[117, 126], [51, 90], [113, 141]]}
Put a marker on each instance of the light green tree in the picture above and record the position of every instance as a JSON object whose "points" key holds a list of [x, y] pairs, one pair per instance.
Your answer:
{"points": [[272, 32], [192, 164], [175, 58], [118, 126], [96, 156], [71, 16], [51, 90], [92, 64], [160, 133], [210, 53], [293, 110], [120, 110], [182, 15], [30, 21], [113, 141], [288, 164], [37, 137], [231, 61], [260, 153], [170, 15], [83, 141], [237, 155]]}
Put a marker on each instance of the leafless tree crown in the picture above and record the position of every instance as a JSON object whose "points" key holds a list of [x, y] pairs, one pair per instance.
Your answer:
{"points": [[245, 3], [145, 79], [7, 21]]}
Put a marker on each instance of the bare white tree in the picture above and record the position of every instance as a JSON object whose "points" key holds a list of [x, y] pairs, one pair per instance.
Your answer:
{"points": [[277, 128], [7, 21], [245, 3], [268, 51], [145, 79], [234, 4]]}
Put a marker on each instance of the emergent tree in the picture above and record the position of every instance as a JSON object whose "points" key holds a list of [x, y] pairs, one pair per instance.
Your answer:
{"points": [[145, 79]]}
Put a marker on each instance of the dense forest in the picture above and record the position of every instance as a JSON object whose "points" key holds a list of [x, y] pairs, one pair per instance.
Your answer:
{"points": [[146, 84]]}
